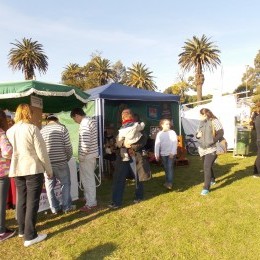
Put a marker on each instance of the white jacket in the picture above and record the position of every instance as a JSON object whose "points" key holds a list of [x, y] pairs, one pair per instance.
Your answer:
{"points": [[29, 151], [130, 134]]}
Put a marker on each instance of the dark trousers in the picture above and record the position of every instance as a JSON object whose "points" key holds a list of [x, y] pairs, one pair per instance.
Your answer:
{"points": [[257, 161], [4, 187], [208, 161], [122, 171], [29, 190]]}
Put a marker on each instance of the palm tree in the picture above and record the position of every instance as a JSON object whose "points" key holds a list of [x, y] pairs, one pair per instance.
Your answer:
{"points": [[199, 54], [101, 68], [140, 77], [27, 56], [73, 75]]}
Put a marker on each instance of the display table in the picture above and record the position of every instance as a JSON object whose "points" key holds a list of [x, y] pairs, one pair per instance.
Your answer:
{"points": [[44, 204]]}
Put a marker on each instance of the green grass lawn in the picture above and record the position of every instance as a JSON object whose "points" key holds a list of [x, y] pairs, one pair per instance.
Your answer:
{"points": [[180, 224]]}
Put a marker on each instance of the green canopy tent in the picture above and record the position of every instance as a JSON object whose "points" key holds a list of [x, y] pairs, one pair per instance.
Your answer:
{"points": [[55, 97]]}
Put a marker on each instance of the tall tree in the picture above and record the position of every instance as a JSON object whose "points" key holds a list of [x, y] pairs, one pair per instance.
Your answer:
{"points": [[98, 72], [101, 68], [119, 72], [28, 56], [251, 79], [199, 54], [140, 77], [73, 75]]}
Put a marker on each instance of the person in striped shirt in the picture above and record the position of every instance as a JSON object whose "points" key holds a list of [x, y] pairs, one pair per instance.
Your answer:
{"points": [[87, 154], [59, 148]]}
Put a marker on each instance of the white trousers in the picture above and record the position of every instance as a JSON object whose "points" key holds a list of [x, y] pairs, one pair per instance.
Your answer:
{"points": [[87, 176]]}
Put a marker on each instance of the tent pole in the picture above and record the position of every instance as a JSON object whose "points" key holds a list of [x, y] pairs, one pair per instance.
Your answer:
{"points": [[100, 140], [179, 118]]}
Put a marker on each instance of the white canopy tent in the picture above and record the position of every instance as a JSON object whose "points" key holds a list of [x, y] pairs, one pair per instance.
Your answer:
{"points": [[224, 108]]}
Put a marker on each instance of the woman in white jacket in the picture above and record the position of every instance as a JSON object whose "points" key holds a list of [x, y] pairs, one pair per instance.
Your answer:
{"points": [[28, 163]]}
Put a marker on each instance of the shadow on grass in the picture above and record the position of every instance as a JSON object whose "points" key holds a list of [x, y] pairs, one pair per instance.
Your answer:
{"points": [[98, 252], [73, 220], [185, 177], [192, 175], [227, 178]]}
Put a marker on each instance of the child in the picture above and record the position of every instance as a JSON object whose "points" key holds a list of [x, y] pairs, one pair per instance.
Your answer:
{"points": [[166, 146], [129, 133]]}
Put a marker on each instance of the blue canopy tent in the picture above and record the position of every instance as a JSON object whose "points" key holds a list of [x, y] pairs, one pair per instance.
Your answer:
{"points": [[106, 101]]}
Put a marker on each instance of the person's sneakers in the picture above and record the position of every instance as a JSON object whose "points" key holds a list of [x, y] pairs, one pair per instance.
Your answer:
{"points": [[20, 235], [137, 201], [167, 185], [113, 206], [7, 234], [88, 208], [57, 212], [38, 239], [72, 208], [212, 183], [204, 192], [256, 175]]}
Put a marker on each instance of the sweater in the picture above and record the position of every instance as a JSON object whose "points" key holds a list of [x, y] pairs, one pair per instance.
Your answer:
{"points": [[165, 143], [6, 151], [57, 140], [212, 132], [130, 133], [88, 138]]}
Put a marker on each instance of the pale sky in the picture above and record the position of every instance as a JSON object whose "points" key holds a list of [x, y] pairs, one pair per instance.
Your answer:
{"points": [[152, 32]]}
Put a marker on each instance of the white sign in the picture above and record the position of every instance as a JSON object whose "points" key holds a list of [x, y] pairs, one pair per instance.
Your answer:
{"points": [[36, 102]]}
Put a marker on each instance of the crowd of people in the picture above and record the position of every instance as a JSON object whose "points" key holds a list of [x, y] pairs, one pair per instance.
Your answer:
{"points": [[33, 157]]}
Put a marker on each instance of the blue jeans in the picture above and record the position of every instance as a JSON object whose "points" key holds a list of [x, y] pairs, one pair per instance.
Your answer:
{"points": [[4, 188], [29, 190], [122, 170], [168, 168], [62, 174]]}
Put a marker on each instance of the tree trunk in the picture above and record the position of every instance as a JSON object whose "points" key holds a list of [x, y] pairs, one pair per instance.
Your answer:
{"points": [[28, 74], [199, 80]]}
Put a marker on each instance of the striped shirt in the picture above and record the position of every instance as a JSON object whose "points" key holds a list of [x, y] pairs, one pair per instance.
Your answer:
{"points": [[88, 138], [59, 148]]}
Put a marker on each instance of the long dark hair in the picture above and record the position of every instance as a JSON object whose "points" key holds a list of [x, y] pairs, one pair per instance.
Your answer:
{"points": [[208, 113], [3, 120]]}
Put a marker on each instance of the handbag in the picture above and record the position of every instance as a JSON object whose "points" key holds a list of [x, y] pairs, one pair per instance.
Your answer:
{"points": [[221, 146]]}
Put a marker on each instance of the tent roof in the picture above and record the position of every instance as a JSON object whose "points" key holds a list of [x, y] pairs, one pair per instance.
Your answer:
{"points": [[56, 97], [115, 91]]}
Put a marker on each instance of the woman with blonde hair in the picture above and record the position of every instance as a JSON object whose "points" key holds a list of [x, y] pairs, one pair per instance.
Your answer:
{"points": [[29, 161], [5, 156]]}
